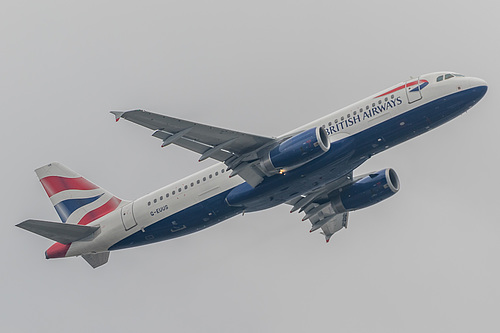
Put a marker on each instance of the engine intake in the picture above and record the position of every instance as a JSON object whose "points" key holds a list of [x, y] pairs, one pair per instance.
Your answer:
{"points": [[367, 191], [296, 151]]}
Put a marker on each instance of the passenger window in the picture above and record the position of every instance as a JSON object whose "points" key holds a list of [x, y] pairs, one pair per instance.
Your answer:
{"points": [[216, 173], [179, 190], [149, 203], [192, 184], [210, 176], [161, 197], [173, 192], [167, 195], [185, 187], [198, 181], [155, 200], [204, 179]]}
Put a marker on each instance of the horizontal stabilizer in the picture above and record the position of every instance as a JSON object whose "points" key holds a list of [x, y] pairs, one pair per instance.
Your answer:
{"points": [[59, 232], [96, 259], [118, 114]]}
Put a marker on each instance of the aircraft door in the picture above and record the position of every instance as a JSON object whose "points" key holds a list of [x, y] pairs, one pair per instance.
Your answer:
{"points": [[413, 90], [127, 214]]}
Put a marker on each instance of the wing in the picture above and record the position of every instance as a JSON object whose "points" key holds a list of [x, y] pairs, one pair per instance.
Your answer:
{"points": [[318, 208], [236, 149]]}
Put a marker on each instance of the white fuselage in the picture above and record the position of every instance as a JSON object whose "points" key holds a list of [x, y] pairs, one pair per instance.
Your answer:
{"points": [[198, 188]]}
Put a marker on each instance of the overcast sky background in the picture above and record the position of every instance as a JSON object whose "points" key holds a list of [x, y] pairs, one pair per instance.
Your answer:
{"points": [[424, 260]]}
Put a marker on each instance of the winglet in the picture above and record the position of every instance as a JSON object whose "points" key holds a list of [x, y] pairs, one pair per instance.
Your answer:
{"points": [[118, 114]]}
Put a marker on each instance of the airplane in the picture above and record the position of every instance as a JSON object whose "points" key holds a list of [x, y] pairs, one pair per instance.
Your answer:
{"points": [[309, 168]]}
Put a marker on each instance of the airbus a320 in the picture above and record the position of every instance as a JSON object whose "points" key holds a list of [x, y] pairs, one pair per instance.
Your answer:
{"points": [[309, 168]]}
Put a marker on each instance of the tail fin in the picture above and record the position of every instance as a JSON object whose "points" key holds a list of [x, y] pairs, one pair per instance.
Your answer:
{"points": [[76, 200]]}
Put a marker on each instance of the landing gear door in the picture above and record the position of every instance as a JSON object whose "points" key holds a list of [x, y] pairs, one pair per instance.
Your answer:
{"points": [[413, 90], [128, 219]]}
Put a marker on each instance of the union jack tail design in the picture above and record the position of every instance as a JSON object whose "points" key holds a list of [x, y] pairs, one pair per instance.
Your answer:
{"points": [[75, 199]]}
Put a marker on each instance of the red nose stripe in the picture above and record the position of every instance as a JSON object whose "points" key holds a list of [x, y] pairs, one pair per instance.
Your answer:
{"points": [[399, 88]]}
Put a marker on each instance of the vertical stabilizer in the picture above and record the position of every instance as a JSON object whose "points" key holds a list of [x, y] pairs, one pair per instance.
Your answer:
{"points": [[75, 199]]}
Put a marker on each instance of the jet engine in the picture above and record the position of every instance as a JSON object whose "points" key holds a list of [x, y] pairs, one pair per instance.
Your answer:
{"points": [[296, 151], [367, 191]]}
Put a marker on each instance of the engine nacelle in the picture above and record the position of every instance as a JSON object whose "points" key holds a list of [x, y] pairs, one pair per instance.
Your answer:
{"points": [[367, 191], [296, 151]]}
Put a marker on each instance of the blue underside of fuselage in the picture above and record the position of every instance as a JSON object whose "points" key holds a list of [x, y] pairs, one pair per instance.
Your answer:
{"points": [[344, 156], [195, 218]]}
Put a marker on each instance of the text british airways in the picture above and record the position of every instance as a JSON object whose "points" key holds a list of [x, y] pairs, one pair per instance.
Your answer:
{"points": [[373, 112]]}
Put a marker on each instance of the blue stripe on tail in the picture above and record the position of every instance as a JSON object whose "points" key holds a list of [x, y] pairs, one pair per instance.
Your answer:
{"points": [[67, 207]]}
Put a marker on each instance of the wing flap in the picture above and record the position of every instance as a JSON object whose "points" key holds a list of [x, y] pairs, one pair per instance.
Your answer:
{"points": [[56, 231], [318, 208], [338, 222], [186, 143]]}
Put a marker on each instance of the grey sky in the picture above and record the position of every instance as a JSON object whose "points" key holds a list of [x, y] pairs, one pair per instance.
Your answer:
{"points": [[424, 260]]}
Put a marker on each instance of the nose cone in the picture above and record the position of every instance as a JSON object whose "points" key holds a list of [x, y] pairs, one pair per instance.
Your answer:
{"points": [[476, 82], [478, 86]]}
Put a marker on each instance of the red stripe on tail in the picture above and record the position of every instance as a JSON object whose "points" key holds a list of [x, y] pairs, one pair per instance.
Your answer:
{"points": [[57, 250], [107, 208], [56, 184]]}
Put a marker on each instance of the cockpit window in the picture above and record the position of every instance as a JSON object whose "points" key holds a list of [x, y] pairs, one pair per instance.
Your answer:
{"points": [[447, 76]]}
